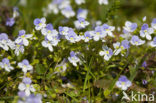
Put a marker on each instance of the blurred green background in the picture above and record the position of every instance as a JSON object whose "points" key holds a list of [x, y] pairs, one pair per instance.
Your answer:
{"points": [[117, 12]]}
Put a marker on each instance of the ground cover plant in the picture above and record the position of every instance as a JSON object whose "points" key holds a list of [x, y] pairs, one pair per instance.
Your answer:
{"points": [[77, 51]]}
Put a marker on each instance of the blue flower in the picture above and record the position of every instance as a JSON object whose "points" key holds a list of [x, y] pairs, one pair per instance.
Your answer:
{"points": [[10, 22], [153, 24], [146, 31], [87, 36], [82, 13], [6, 64], [63, 4], [68, 12], [73, 58], [47, 30], [72, 36], [25, 66], [144, 64], [106, 52], [117, 48], [153, 43], [144, 82], [34, 99], [79, 2], [123, 83], [3, 36], [5, 42], [144, 19], [52, 7], [125, 44], [130, 27], [135, 40], [27, 80], [21, 94], [50, 43], [108, 29], [63, 30], [22, 37], [15, 12], [39, 23], [19, 48], [126, 35], [98, 33], [81, 23], [26, 86]]}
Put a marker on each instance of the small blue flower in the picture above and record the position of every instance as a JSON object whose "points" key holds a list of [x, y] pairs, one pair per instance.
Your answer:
{"points": [[79, 2], [15, 12], [6, 64], [3, 36], [81, 23], [68, 12], [108, 29], [5, 42], [126, 35], [144, 82], [10, 22], [123, 83], [34, 99], [19, 48], [50, 43], [51, 8], [117, 48], [73, 58], [135, 40], [47, 30], [82, 13], [21, 94], [98, 33], [87, 36], [146, 31], [57, 1], [130, 27], [153, 24], [27, 80], [144, 19], [72, 36], [153, 43], [144, 64], [22, 37], [125, 44], [39, 23], [26, 86], [106, 52], [63, 30], [25, 66]]}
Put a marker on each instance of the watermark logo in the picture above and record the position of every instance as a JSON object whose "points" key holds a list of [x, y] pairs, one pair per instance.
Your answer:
{"points": [[138, 97]]}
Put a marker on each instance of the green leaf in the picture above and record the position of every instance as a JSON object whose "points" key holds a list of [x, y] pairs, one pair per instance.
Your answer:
{"points": [[106, 93], [40, 69], [132, 70]]}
